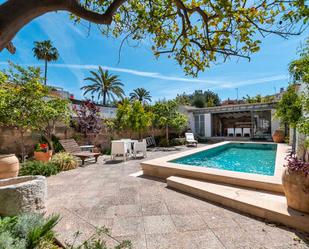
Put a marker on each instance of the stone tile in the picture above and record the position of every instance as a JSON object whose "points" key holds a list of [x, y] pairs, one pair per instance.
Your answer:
{"points": [[127, 226], [218, 220], [154, 208], [137, 241], [232, 237], [188, 222], [201, 239], [164, 241], [179, 207], [131, 210], [158, 224]]}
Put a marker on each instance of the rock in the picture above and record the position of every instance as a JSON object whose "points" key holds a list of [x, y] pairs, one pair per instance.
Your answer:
{"points": [[26, 194]]}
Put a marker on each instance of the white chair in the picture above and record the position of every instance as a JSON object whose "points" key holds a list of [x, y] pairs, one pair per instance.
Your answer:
{"points": [[246, 132], [230, 132], [238, 132], [140, 147], [119, 148], [190, 140]]}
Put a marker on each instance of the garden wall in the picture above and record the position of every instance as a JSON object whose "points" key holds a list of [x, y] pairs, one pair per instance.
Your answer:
{"points": [[10, 138]]}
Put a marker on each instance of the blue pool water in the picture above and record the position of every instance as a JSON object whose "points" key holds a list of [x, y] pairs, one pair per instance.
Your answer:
{"points": [[240, 157]]}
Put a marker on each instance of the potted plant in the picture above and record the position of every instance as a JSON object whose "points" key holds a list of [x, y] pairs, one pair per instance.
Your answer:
{"points": [[9, 166], [295, 181], [278, 136], [42, 152]]}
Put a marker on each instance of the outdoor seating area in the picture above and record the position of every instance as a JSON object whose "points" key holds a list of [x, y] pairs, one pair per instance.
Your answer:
{"points": [[128, 148]]}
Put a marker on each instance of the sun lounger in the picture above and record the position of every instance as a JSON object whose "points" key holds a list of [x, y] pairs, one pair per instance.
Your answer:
{"points": [[230, 132], [246, 132], [190, 140], [238, 132], [70, 146]]}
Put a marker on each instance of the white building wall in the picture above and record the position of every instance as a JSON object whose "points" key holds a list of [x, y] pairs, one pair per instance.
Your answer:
{"points": [[275, 122], [208, 125]]}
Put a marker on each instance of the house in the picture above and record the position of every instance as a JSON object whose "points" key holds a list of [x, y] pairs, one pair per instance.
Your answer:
{"points": [[215, 122]]}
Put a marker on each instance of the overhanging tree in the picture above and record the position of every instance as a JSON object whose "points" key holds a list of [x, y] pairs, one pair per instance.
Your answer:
{"points": [[194, 33]]}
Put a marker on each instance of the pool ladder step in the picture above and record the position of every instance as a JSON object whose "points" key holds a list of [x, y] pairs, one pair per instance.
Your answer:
{"points": [[267, 205]]}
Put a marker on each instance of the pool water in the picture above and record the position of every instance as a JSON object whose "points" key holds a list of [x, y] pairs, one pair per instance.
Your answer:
{"points": [[241, 157]]}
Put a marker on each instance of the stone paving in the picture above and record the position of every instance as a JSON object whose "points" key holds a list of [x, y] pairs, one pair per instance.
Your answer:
{"points": [[152, 216]]}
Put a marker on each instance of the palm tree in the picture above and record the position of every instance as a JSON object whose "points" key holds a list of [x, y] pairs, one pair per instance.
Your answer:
{"points": [[44, 50], [140, 94], [106, 85]]}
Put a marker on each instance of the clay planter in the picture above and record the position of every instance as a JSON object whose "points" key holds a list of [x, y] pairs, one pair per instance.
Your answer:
{"points": [[278, 136], [43, 156], [9, 166], [296, 189]]}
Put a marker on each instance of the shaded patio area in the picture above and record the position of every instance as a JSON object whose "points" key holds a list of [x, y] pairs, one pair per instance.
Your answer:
{"points": [[144, 211]]}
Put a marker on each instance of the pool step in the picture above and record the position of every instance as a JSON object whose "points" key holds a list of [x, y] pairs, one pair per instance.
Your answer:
{"points": [[266, 205]]}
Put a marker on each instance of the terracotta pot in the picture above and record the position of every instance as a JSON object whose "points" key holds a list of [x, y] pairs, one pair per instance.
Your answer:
{"points": [[43, 156], [296, 189], [278, 136], [9, 166]]}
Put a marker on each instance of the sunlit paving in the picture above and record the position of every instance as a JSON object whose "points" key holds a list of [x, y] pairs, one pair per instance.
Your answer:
{"points": [[154, 124]]}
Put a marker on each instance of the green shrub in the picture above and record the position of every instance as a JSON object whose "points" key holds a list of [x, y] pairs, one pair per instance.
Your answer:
{"points": [[64, 161], [27, 231], [38, 168], [178, 141], [163, 142]]}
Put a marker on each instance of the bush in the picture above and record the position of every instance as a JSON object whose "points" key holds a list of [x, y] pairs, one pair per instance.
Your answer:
{"points": [[178, 141], [64, 161], [163, 142], [38, 168], [27, 231]]}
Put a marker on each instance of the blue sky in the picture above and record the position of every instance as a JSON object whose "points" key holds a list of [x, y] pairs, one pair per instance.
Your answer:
{"points": [[79, 53]]}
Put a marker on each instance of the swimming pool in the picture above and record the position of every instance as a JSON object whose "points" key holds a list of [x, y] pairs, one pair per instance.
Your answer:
{"points": [[240, 157]]}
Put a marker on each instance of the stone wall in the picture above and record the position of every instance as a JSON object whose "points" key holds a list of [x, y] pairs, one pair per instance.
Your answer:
{"points": [[10, 138]]}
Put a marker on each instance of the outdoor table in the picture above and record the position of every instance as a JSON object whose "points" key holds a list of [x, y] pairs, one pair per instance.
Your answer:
{"points": [[87, 147]]}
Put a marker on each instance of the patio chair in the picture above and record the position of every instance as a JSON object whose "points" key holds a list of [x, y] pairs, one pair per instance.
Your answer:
{"points": [[238, 132], [150, 141], [140, 147], [120, 148], [230, 132], [70, 146], [190, 140], [246, 132]]}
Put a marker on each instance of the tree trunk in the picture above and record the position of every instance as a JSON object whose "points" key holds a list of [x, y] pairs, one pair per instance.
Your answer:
{"points": [[166, 133], [294, 140], [23, 149], [45, 73], [104, 98], [15, 14]]}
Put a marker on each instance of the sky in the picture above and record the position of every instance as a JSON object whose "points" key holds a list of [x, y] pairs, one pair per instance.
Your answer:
{"points": [[81, 52]]}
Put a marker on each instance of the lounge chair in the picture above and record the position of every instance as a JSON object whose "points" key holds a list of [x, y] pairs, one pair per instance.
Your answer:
{"points": [[230, 132], [70, 146], [246, 132], [190, 140], [120, 148], [140, 147], [150, 141], [238, 132]]}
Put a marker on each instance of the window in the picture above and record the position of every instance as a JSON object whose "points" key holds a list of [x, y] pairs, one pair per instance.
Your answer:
{"points": [[199, 121]]}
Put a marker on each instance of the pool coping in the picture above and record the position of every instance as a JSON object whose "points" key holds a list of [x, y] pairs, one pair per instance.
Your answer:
{"points": [[162, 168]]}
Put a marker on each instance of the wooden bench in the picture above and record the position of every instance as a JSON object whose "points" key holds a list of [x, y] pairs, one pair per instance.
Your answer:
{"points": [[70, 146]]}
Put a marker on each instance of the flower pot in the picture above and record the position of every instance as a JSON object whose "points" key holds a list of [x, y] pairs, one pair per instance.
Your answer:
{"points": [[9, 166], [278, 136], [43, 156], [296, 189]]}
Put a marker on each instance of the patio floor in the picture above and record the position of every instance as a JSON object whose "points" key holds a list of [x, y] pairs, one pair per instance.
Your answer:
{"points": [[144, 211]]}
